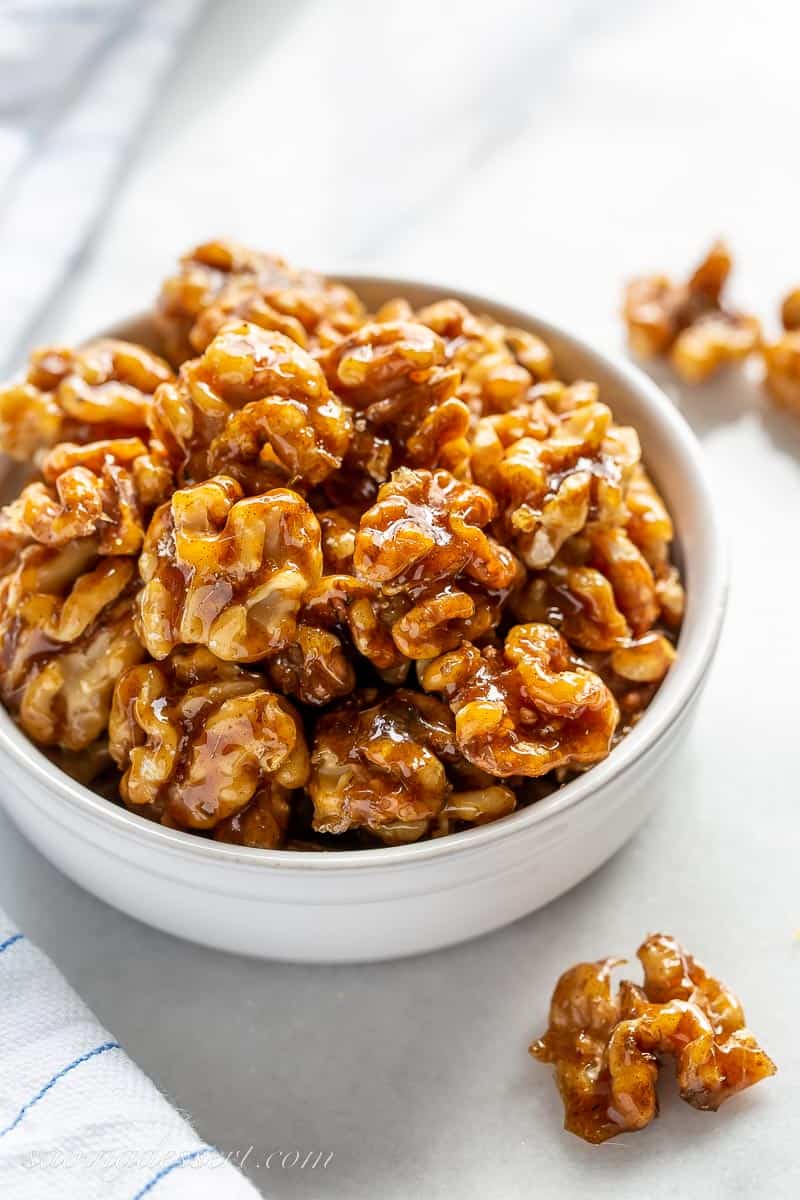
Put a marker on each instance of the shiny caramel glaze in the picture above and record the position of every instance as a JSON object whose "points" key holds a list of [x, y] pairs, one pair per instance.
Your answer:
{"points": [[102, 390], [689, 321], [396, 538], [608, 1049]]}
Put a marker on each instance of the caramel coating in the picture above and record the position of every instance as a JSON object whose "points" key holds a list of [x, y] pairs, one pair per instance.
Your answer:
{"points": [[782, 362], [349, 505], [101, 390], [526, 709], [100, 488], [426, 527], [200, 741], [606, 1049], [384, 769], [689, 321], [226, 571], [497, 364], [395, 375], [555, 465], [220, 281], [256, 407], [67, 632]]}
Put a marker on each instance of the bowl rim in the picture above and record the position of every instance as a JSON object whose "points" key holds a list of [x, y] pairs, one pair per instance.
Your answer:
{"points": [[687, 675]]}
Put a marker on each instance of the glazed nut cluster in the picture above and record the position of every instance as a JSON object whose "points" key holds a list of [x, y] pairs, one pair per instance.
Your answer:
{"points": [[607, 1049], [322, 577], [691, 325]]}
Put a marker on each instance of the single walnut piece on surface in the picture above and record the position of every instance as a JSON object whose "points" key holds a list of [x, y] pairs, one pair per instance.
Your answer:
{"points": [[689, 321], [426, 527], [67, 632], [527, 708], [226, 571], [256, 407], [383, 767], [221, 280], [204, 745], [101, 390], [606, 1048]]}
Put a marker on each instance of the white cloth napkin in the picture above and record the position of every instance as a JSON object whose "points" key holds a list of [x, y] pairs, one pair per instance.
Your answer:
{"points": [[78, 1119], [77, 78]]}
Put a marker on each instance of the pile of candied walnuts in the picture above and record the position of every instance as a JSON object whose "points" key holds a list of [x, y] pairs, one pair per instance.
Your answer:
{"points": [[322, 577], [691, 325], [607, 1048]]}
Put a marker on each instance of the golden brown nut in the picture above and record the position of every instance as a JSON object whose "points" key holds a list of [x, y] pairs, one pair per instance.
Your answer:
{"points": [[527, 708], [790, 311], [227, 572], [569, 464], [101, 488], [200, 740], [605, 1048], [427, 527], [689, 321], [256, 407], [221, 280], [782, 360], [383, 768], [629, 574], [395, 375], [497, 364], [102, 390], [66, 627]]}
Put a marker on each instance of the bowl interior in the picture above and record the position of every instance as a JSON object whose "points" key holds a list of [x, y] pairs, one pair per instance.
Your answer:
{"points": [[673, 457]]}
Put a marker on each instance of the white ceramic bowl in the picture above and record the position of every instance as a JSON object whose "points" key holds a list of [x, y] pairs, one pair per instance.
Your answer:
{"points": [[373, 904]]}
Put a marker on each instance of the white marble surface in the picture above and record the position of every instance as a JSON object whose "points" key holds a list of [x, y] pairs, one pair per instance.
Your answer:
{"points": [[540, 152]]}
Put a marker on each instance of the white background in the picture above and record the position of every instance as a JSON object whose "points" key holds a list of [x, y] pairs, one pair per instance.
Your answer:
{"points": [[541, 152]]}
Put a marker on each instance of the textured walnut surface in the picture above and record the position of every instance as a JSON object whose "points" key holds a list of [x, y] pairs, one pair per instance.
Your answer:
{"points": [[608, 1049], [345, 579]]}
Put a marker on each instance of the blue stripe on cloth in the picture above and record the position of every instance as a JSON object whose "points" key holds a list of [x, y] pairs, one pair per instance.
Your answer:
{"points": [[173, 1166], [12, 941], [51, 1083]]}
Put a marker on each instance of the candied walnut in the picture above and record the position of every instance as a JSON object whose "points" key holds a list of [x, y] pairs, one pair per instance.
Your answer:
{"points": [[315, 668], [101, 488], [645, 660], [577, 600], [476, 806], [394, 374], [629, 574], [527, 708], [497, 364], [605, 1048], [782, 361], [67, 632], [583, 1015], [256, 407], [563, 469], [354, 613], [263, 823], [201, 742], [339, 527], [101, 390], [383, 767], [227, 572], [790, 311], [689, 321], [221, 280], [427, 527], [442, 618]]}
